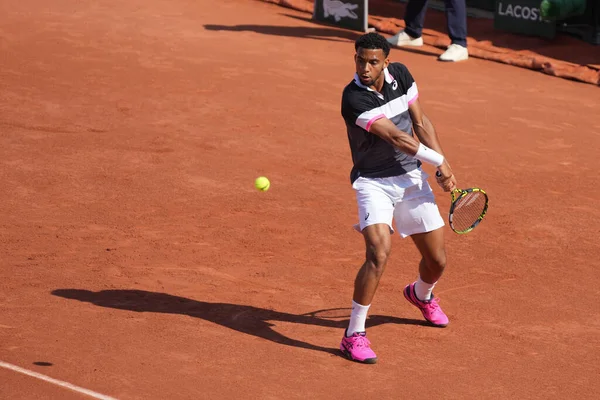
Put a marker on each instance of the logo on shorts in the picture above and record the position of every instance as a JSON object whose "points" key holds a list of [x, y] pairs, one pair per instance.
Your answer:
{"points": [[367, 217]]}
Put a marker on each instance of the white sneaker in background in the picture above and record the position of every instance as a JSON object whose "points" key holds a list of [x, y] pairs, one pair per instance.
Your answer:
{"points": [[403, 39], [455, 52]]}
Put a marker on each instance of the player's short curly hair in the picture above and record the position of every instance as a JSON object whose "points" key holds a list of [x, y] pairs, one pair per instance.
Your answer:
{"points": [[373, 40]]}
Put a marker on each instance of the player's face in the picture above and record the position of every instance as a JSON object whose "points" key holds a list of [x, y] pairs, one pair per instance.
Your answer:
{"points": [[369, 65]]}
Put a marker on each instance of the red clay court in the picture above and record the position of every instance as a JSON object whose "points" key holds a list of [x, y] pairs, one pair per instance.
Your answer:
{"points": [[139, 262]]}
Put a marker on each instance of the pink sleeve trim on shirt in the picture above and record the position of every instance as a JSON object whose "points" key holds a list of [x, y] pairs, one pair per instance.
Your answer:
{"points": [[375, 118], [413, 99]]}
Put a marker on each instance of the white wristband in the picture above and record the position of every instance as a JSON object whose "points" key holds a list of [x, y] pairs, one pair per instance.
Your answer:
{"points": [[428, 155]]}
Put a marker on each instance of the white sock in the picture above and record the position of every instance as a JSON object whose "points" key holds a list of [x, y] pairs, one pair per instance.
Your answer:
{"points": [[423, 290], [357, 318]]}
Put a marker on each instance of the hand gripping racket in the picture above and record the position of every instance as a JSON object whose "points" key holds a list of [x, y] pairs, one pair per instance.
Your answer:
{"points": [[467, 210]]}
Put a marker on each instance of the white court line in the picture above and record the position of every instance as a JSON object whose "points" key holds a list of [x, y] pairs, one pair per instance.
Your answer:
{"points": [[55, 381]]}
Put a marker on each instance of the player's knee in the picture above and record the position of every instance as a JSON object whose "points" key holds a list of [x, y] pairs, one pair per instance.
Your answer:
{"points": [[437, 261], [377, 257], [378, 247]]}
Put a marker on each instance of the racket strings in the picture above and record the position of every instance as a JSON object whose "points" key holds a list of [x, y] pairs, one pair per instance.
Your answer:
{"points": [[468, 210]]}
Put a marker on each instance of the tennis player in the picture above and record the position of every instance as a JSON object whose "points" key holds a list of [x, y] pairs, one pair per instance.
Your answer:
{"points": [[380, 107]]}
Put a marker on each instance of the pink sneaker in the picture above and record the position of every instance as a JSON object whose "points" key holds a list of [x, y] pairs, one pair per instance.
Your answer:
{"points": [[431, 309], [358, 348]]}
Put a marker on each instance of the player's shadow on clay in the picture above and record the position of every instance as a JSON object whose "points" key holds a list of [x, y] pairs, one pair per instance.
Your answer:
{"points": [[320, 32], [245, 319]]}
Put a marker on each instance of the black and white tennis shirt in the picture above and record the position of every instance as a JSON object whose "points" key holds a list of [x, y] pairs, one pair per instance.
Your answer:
{"points": [[372, 156]]}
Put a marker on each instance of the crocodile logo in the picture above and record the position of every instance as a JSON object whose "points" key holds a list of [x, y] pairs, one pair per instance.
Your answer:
{"points": [[339, 10]]}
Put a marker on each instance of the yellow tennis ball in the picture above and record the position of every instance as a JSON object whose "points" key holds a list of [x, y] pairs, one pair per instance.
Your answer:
{"points": [[262, 183]]}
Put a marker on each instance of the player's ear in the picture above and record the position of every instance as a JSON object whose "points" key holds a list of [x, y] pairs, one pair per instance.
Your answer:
{"points": [[386, 62]]}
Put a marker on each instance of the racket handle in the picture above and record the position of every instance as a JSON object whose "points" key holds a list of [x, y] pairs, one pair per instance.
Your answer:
{"points": [[439, 174]]}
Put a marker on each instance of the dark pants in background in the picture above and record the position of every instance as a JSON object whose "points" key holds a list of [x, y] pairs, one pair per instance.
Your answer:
{"points": [[456, 17]]}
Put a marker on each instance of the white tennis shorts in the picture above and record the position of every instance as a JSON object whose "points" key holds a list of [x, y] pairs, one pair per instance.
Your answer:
{"points": [[407, 200]]}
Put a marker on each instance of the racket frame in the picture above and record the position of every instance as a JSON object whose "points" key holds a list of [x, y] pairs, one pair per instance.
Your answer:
{"points": [[458, 194]]}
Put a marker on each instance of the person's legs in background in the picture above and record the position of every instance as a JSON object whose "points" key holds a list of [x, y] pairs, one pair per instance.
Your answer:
{"points": [[456, 19], [414, 18]]}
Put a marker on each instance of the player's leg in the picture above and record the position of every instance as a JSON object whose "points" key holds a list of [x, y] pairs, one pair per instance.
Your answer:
{"points": [[378, 244], [418, 216], [355, 344], [431, 268], [375, 210], [433, 261]]}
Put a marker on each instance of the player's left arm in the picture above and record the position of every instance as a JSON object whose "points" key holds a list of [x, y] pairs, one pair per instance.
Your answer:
{"points": [[427, 135]]}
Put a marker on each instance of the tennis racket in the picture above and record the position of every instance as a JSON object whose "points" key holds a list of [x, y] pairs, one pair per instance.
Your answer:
{"points": [[467, 210]]}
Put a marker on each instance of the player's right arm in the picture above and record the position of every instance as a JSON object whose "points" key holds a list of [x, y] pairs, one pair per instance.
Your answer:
{"points": [[358, 108], [387, 130]]}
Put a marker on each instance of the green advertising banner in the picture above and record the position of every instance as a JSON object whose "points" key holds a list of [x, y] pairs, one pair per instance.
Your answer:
{"points": [[522, 17], [562, 9]]}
